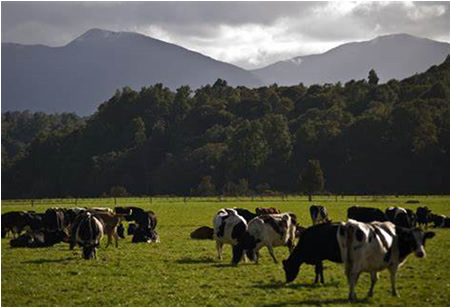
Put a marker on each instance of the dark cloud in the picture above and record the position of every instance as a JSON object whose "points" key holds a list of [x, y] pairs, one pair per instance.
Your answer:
{"points": [[248, 34]]}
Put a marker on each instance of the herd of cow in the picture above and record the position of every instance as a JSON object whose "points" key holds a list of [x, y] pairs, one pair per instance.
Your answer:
{"points": [[78, 226], [370, 241]]}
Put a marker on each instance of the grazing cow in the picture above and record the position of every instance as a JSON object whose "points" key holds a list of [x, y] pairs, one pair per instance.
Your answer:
{"points": [[366, 214], [110, 223], [318, 214], [263, 211], [230, 228], [42, 238], [71, 214], [54, 219], [440, 221], [423, 216], [399, 216], [316, 243], [203, 233], [88, 234], [246, 214], [145, 227], [270, 230], [373, 247], [101, 209]]}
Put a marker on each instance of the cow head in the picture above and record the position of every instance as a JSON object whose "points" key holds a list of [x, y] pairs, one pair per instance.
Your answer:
{"points": [[89, 252], [414, 240], [291, 270]]}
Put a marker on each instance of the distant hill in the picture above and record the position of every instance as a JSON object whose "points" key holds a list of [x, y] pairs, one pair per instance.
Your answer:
{"points": [[81, 75], [392, 56]]}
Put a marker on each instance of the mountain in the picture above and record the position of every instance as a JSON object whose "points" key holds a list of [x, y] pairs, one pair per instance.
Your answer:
{"points": [[392, 57], [79, 76]]}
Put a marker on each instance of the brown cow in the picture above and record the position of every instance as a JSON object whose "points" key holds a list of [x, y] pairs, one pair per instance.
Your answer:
{"points": [[203, 233], [270, 210], [110, 223]]}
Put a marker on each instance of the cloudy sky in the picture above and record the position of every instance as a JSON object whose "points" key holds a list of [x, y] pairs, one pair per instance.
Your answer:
{"points": [[247, 34]]}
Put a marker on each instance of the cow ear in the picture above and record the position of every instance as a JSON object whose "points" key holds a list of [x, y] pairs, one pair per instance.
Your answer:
{"points": [[429, 235]]}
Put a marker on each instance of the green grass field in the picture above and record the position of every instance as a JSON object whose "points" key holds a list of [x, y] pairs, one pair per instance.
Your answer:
{"points": [[182, 272]]}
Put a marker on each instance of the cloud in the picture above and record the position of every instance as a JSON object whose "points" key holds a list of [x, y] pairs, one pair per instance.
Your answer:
{"points": [[247, 34]]}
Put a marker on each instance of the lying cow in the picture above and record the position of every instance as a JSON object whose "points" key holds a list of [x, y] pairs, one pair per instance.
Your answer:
{"points": [[318, 214], [203, 233], [263, 211], [42, 238], [230, 228], [366, 214], [399, 216], [129, 213], [145, 227], [88, 233], [316, 243], [271, 231], [440, 221], [376, 246]]}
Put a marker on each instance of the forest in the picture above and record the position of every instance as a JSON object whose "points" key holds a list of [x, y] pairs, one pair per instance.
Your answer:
{"points": [[360, 137]]}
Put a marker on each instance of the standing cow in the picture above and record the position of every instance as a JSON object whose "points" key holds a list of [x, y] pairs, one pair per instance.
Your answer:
{"points": [[399, 216], [423, 216], [88, 234], [270, 230], [373, 247], [230, 228]]}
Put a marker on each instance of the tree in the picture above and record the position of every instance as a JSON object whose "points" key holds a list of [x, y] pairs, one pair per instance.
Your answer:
{"points": [[311, 178], [206, 187], [373, 77]]}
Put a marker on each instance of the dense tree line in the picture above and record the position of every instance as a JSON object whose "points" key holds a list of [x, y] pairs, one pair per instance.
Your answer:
{"points": [[361, 137]]}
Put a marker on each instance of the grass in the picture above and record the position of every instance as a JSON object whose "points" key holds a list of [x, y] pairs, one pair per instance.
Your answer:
{"points": [[183, 272]]}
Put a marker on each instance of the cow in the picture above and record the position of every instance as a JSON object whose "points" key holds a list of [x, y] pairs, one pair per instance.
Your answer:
{"points": [[366, 214], [131, 229], [440, 221], [316, 243], [399, 216], [203, 233], [230, 228], [101, 209], [262, 211], [318, 214], [270, 230], [423, 216], [121, 231], [110, 223], [246, 214], [37, 239], [14, 222], [129, 213], [146, 222], [71, 214], [54, 219], [88, 233], [373, 247]]}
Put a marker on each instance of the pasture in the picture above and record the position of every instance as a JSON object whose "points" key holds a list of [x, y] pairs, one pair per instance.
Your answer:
{"points": [[183, 272]]}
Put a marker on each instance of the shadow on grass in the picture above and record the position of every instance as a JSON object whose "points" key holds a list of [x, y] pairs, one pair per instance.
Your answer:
{"points": [[279, 285], [319, 302], [43, 260], [186, 260]]}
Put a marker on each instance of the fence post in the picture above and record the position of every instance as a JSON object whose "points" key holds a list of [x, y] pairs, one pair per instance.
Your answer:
{"points": [[32, 203], [115, 201]]}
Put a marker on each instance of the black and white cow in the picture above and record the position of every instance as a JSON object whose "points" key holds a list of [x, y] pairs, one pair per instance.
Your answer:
{"points": [[412, 217], [399, 216], [318, 214], [270, 230], [440, 221], [316, 243], [366, 214], [423, 216], [246, 214], [145, 227], [41, 238], [15, 222], [130, 213], [230, 228], [54, 219], [373, 247], [88, 234]]}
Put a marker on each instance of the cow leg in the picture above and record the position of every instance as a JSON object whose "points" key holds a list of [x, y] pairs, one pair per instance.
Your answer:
{"points": [[109, 239], [116, 238], [352, 280], [270, 248], [321, 273], [393, 271], [373, 280], [219, 246]]}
